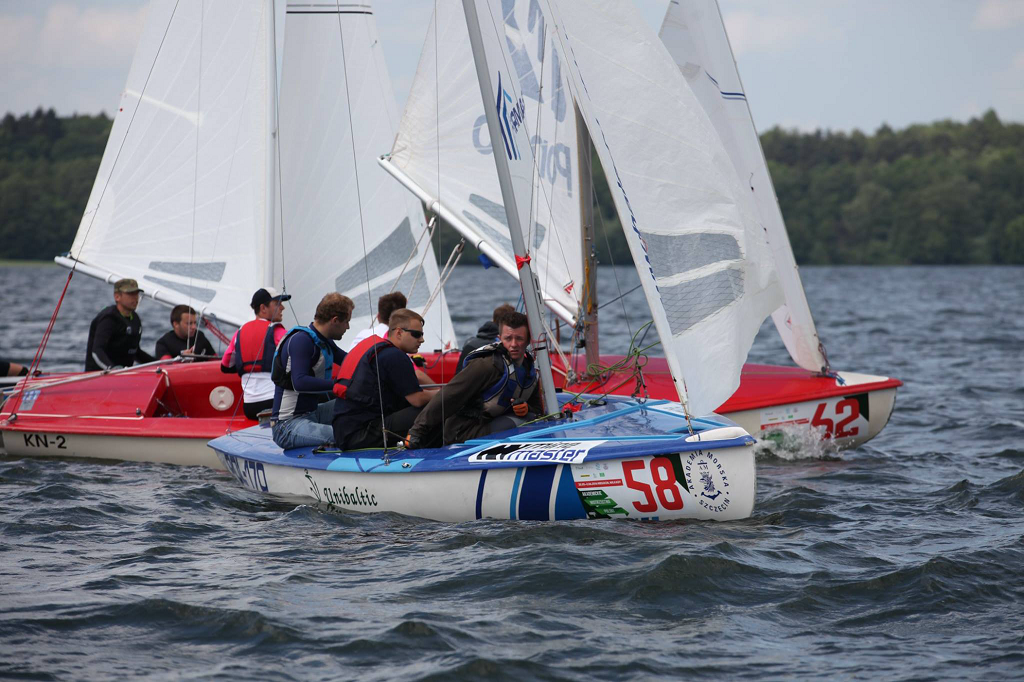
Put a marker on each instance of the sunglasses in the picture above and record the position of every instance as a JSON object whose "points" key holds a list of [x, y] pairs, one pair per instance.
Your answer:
{"points": [[416, 333]]}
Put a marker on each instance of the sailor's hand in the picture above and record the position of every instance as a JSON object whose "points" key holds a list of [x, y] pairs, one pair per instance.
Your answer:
{"points": [[410, 443], [339, 389], [418, 360], [520, 409]]}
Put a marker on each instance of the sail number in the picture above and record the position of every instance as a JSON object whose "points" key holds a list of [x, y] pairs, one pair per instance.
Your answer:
{"points": [[848, 408], [665, 486], [43, 440]]}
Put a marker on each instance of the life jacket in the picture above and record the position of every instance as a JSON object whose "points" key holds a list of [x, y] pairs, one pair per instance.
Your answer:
{"points": [[281, 375], [357, 384], [516, 383], [254, 347]]}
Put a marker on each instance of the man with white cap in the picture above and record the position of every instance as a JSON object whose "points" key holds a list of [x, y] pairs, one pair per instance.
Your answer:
{"points": [[116, 331], [251, 350]]}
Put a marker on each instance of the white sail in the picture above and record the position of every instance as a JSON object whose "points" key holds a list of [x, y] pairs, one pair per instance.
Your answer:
{"points": [[443, 130], [345, 225], [179, 199], [692, 228], [695, 36]]}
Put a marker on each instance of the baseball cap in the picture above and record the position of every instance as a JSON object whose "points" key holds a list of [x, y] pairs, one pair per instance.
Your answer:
{"points": [[126, 286], [266, 295]]}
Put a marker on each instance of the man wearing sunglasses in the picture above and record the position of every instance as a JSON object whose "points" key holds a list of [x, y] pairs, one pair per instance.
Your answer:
{"points": [[378, 393]]}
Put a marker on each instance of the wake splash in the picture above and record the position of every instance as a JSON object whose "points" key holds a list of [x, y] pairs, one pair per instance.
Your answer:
{"points": [[794, 442]]}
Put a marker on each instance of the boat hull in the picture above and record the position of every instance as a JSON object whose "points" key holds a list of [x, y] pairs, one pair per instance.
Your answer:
{"points": [[847, 409], [519, 477], [163, 415]]}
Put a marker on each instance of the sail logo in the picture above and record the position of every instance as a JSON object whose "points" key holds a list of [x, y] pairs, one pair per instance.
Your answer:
{"points": [[509, 120]]}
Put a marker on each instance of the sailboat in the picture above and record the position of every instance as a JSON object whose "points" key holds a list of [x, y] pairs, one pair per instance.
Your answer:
{"points": [[845, 407], [220, 177], [598, 456]]}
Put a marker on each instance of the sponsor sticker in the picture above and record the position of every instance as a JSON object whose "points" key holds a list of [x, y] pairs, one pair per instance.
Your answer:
{"points": [[556, 452]]}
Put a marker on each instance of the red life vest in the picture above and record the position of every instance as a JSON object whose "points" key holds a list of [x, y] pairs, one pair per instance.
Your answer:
{"points": [[254, 347], [367, 347]]}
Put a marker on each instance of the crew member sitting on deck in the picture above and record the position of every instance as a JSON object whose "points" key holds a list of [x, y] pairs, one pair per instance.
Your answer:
{"points": [[379, 394], [302, 374], [487, 334], [184, 337], [116, 331], [252, 349], [496, 391]]}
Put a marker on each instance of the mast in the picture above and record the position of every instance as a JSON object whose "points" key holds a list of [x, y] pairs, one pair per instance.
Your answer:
{"points": [[589, 303], [524, 159], [271, 179]]}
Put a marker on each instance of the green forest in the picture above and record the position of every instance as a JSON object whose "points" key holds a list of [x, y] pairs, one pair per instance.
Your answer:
{"points": [[937, 193]]}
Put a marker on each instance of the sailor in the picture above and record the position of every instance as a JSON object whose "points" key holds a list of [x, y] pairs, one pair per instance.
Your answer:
{"points": [[378, 392], [486, 334], [302, 372], [116, 331], [496, 391], [252, 349], [184, 337], [386, 304]]}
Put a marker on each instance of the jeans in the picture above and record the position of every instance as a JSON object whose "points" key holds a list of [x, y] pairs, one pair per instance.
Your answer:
{"points": [[306, 430]]}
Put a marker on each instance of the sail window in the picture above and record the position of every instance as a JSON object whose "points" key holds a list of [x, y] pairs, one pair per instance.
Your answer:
{"points": [[389, 254], [199, 293], [672, 254], [211, 272], [689, 303]]}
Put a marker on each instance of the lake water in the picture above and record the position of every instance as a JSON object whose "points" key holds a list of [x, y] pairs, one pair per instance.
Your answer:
{"points": [[901, 559]]}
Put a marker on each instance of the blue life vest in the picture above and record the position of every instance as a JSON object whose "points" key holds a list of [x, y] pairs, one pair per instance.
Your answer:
{"points": [[281, 375], [516, 383]]}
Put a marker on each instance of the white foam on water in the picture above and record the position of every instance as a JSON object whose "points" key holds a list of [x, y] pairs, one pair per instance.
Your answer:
{"points": [[794, 442]]}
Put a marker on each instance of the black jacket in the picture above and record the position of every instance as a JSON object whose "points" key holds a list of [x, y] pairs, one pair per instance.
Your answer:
{"points": [[486, 334], [114, 341], [170, 344]]}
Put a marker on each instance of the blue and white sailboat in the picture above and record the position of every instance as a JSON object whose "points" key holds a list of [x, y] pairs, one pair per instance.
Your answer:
{"points": [[691, 231]]}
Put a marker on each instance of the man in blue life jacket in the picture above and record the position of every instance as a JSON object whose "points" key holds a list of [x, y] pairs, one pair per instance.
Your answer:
{"points": [[378, 392], [496, 391], [487, 334], [302, 375], [116, 331], [252, 350]]}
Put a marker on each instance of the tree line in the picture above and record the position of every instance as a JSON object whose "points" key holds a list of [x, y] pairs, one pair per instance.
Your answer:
{"points": [[938, 193]]}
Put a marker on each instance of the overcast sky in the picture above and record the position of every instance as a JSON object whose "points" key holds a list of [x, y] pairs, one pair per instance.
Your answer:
{"points": [[837, 64]]}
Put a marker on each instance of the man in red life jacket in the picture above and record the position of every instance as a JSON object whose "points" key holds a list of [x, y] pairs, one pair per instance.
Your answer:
{"points": [[378, 393], [251, 350]]}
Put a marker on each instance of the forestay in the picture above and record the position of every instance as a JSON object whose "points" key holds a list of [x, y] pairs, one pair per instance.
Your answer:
{"points": [[179, 201], [692, 228], [346, 225], [695, 36], [444, 151]]}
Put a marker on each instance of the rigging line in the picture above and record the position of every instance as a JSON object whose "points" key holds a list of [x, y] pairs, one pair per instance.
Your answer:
{"points": [[195, 175], [618, 297], [449, 268], [427, 229], [127, 130], [359, 202]]}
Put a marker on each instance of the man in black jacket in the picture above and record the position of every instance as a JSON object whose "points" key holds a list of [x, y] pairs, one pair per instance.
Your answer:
{"points": [[184, 337], [487, 334], [115, 333]]}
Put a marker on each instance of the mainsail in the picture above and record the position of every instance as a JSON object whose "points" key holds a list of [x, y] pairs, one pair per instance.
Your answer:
{"points": [[695, 36], [346, 226], [443, 151], [692, 227], [204, 198]]}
